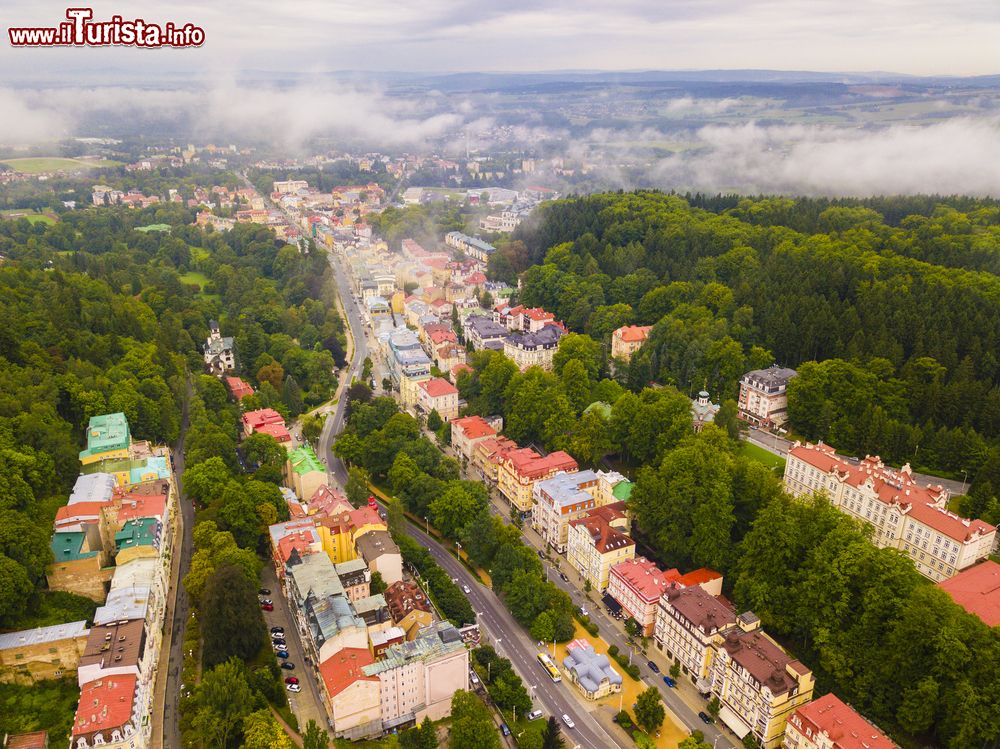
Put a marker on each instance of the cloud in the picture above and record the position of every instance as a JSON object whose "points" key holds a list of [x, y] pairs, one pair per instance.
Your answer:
{"points": [[26, 122], [689, 105]]}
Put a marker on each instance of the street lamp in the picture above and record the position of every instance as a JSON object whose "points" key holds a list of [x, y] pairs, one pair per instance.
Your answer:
{"points": [[427, 526]]}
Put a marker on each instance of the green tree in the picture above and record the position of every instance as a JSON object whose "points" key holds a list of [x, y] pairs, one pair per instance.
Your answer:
{"points": [[16, 589], [205, 481], [357, 486], [649, 712], [471, 724], [261, 731], [455, 509], [713, 707], [312, 427], [377, 584], [434, 421], [224, 699], [584, 349], [543, 628], [552, 737], [315, 737], [231, 621], [576, 384]]}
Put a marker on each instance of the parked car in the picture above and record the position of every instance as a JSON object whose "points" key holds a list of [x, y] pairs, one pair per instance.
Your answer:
{"points": [[466, 589], [267, 607], [281, 653], [267, 601], [473, 678], [669, 682], [583, 611], [292, 680], [293, 687], [277, 630], [568, 721], [535, 714], [705, 717], [277, 636], [279, 645], [263, 592], [504, 729], [541, 554], [288, 665], [565, 579], [653, 667]]}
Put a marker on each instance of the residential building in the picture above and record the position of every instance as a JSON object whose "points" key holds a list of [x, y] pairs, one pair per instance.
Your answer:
{"points": [[115, 649], [380, 640], [108, 716], [238, 388], [304, 473], [483, 333], [266, 421], [419, 677], [703, 411], [596, 542], [590, 671], [291, 186], [409, 607], [519, 469], [93, 487], [80, 564], [612, 487], [381, 555], [637, 585], [977, 590], [355, 577], [32, 740], [440, 395], [764, 396], [534, 349], [471, 246], [373, 611], [628, 339], [467, 432], [523, 319], [829, 723], [690, 623], [220, 354], [758, 684], [353, 696], [42, 653], [558, 500], [903, 514], [108, 438]]}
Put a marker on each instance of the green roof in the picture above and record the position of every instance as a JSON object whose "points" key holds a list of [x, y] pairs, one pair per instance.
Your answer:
{"points": [[139, 532], [623, 490], [105, 433], [67, 545], [304, 460]]}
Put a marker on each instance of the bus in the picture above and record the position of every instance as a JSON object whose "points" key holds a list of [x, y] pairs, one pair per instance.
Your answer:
{"points": [[550, 667]]}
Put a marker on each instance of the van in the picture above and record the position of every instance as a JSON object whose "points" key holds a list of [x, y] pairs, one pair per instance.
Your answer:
{"points": [[504, 729], [534, 715]]}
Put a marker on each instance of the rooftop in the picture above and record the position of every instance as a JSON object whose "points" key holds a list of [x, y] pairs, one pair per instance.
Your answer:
{"points": [[433, 641], [115, 645], [529, 464], [41, 635], [437, 387], [977, 590], [33, 740], [129, 602], [402, 597], [304, 460], [566, 489], [841, 723], [763, 659], [345, 668], [633, 333], [771, 379], [604, 537], [138, 532], [68, 546], [93, 487], [375, 544], [473, 427], [701, 608], [590, 667], [105, 433], [315, 576], [643, 576], [105, 704]]}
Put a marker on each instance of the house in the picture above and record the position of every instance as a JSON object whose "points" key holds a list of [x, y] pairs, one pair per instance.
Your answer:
{"points": [[380, 640], [42, 653], [558, 500], [108, 716], [304, 473], [266, 421], [381, 555], [977, 590], [628, 339], [108, 438], [637, 585], [519, 470], [596, 542], [448, 356], [758, 684], [409, 607], [80, 564], [521, 319], [467, 432], [115, 649], [353, 696], [828, 723], [703, 411], [437, 394], [355, 577], [220, 355], [590, 671], [238, 389], [903, 514], [471, 246], [489, 454], [483, 333], [535, 349], [764, 396]]}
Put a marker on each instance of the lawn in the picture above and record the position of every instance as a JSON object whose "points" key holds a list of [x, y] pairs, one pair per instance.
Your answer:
{"points": [[761, 455], [45, 705], [194, 277], [15, 213], [199, 253], [57, 607], [40, 165]]}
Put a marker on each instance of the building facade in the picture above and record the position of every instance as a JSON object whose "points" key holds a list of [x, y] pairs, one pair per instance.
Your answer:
{"points": [[689, 625], [828, 723], [763, 398], [558, 500], [628, 339], [596, 542]]}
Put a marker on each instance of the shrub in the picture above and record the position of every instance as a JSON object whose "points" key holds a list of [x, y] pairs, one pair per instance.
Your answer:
{"points": [[613, 652]]}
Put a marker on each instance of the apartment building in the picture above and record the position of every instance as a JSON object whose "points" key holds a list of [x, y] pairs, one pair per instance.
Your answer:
{"points": [[628, 339], [108, 716], [381, 555], [42, 653], [903, 514], [637, 585], [829, 723], [409, 607], [489, 454], [977, 590], [596, 542], [437, 394], [522, 319], [484, 333], [689, 626], [763, 397], [266, 421], [521, 468], [534, 349], [304, 472], [467, 432], [558, 500], [353, 696]]}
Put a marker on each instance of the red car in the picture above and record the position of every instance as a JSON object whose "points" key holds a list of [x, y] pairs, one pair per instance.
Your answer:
{"points": [[292, 680], [267, 606]]}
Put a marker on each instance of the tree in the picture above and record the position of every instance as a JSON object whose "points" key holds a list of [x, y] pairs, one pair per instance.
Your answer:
{"points": [[552, 735], [695, 741], [471, 724], [454, 509], [262, 450], [727, 418], [649, 712], [543, 628], [675, 670], [312, 427], [315, 737], [291, 395], [377, 584], [231, 623], [713, 707], [576, 384], [584, 349], [357, 486], [204, 482], [273, 374], [224, 699], [434, 420], [15, 590], [261, 731]]}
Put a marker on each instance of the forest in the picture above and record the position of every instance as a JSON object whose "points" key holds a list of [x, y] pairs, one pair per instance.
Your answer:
{"points": [[902, 314]]}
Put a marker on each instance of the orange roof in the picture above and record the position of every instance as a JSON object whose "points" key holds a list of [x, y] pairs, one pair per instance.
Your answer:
{"points": [[278, 431], [105, 704], [366, 515], [699, 576], [436, 387], [463, 367], [142, 506], [33, 740], [344, 668], [605, 537], [977, 590], [440, 336], [473, 427], [634, 333], [79, 510], [238, 388], [644, 577], [529, 464], [327, 501], [300, 541], [841, 723], [951, 525]]}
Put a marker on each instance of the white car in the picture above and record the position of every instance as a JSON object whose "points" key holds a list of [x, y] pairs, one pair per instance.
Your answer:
{"points": [[466, 589], [534, 714], [568, 721], [293, 687]]}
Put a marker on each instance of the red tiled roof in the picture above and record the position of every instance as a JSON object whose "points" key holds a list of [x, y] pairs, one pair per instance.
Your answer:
{"points": [[644, 577], [440, 336], [473, 427], [344, 668], [365, 516], [951, 525], [605, 537], [105, 704], [977, 590], [841, 723], [142, 506], [33, 740], [529, 464], [78, 511], [254, 420], [238, 388], [299, 541], [699, 576], [463, 367], [327, 501], [436, 387], [634, 333], [278, 431]]}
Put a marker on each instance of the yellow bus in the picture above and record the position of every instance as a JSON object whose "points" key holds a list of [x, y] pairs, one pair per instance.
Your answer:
{"points": [[550, 667]]}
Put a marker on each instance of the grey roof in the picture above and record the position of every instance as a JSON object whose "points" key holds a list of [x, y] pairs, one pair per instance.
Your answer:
{"points": [[590, 667], [375, 544], [329, 616], [315, 577], [564, 489], [94, 487], [216, 346], [485, 327], [547, 337], [372, 603], [434, 640], [771, 378], [41, 635], [123, 604]]}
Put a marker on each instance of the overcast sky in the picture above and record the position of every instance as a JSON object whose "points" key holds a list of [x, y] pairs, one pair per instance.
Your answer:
{"points": [[960, 37]]}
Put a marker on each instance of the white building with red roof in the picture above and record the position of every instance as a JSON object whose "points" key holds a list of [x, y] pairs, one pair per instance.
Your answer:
{"points": [[108, 715], [437, 393], [469, 431], [627, 339], [977, 590], [829, 723], [903, 514]]}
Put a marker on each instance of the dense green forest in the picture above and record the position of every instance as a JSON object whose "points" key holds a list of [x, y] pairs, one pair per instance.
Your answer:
{"points": [[908, 307]]}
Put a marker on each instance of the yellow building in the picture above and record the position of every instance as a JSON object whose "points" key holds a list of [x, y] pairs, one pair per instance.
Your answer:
{"points": [[337, 540], [595, 543], [42, 653]]}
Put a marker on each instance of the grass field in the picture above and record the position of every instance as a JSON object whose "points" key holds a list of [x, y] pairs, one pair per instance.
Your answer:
{"points": [[761, 455], [199, 253], [42, 164], [35, 218], [193, 276]]}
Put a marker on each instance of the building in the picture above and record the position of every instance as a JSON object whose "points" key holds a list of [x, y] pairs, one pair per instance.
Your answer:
{"points": [[471, 246], [483, 333], [590, 671], [266, 421], [356, 578], [107, 716], [764, 396], [828, 723], [419, 677], [534, 349], [79, 564], [519, 469], [689, 625], [637, 585], [596, 542], [42, 653], [33, 740], [628, 339], [437, 394], [238, 389], [380, 640], [703, 411], [758, 684], [558, 500], [977, 590], [115, 649], [108, 438], [381, 555], [523, 319], [353, 696], [304, 473], [467, 432], [220, 355], [903, 514], [290, 187], [93, 487], [409, 607]]}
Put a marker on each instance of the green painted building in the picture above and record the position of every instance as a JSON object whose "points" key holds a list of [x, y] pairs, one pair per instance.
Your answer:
{"points": [[107, 437]]}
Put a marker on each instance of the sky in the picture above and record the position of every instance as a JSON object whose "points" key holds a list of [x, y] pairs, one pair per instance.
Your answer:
{"points": [[920, 37]]}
